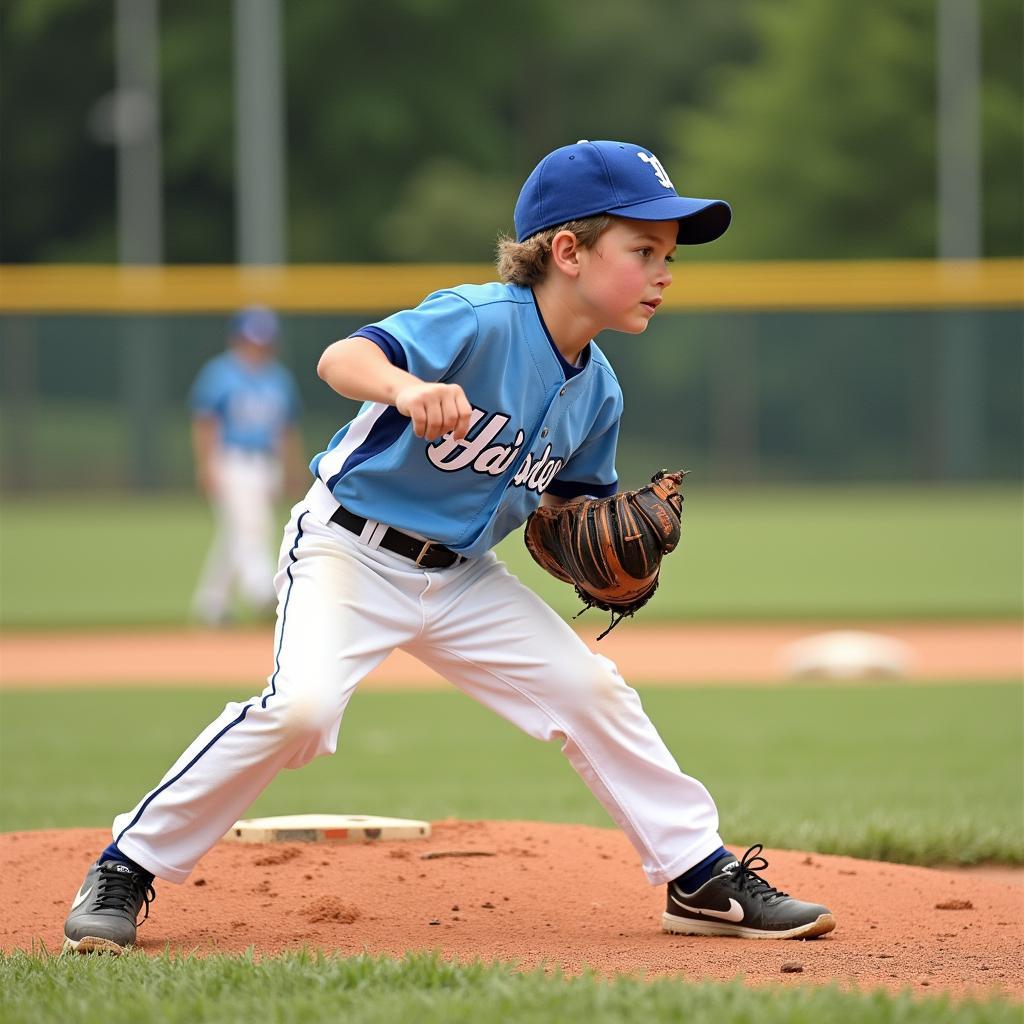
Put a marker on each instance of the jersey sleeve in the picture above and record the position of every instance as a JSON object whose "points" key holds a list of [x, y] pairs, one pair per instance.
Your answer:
{"points": [[430, 341], [591, 469], [207, 395]]}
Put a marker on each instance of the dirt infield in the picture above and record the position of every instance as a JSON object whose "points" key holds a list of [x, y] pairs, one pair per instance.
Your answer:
{"points": [[644, 654], [567, 895]]}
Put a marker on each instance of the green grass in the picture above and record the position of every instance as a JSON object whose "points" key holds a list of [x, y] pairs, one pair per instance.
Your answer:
{"points": [[812, 553], [922, 774], [312, 988]]}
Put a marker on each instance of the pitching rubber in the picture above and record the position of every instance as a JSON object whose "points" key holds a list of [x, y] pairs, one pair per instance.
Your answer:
{"points": [[326, 828]]}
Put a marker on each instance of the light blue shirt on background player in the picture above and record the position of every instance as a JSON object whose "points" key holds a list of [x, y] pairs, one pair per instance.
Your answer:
{"points": [[252, 405], [539, 423]]}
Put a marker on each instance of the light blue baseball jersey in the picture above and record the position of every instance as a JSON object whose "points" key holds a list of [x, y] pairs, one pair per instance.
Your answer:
{"points": [[252, 404], [538, 425]]}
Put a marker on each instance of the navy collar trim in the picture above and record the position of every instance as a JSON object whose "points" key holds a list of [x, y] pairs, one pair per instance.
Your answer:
{"points": [[567, 368]]}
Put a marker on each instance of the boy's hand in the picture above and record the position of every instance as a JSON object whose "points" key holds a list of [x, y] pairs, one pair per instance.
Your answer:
{"points": [[206, 480], [435, 409]]}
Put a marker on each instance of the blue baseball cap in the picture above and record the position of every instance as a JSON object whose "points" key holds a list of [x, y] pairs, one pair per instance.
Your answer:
{"points": [[255, 323], [620, 178]]}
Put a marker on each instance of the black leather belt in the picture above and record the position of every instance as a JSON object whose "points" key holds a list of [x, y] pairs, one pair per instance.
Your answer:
{"points": [[424, 553]]}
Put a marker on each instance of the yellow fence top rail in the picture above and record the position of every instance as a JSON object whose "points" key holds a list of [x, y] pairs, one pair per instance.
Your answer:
{"points": [[344, 288]]}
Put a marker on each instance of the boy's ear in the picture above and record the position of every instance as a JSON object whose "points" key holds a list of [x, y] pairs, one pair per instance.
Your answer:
{"points": [[565, 253]]}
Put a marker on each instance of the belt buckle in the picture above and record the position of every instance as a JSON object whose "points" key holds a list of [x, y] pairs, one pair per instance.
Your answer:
{"points": [[423, 551]]}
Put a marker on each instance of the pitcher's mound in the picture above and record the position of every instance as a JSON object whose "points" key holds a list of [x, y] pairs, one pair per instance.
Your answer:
{"points": [[567, 895]]}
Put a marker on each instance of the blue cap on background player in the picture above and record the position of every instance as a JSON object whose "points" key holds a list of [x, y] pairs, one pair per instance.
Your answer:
{"points": [[589, 178], [255, 323]]}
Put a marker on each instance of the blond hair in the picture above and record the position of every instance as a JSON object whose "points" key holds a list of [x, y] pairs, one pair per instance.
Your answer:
{"points": [[526, 263]]}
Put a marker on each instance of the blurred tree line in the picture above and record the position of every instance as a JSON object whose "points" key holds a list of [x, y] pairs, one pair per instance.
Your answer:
{"points": [[412, 123]]}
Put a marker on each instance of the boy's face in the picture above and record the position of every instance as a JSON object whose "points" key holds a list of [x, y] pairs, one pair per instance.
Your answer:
{"points": [[623, 276], [252, 353]]}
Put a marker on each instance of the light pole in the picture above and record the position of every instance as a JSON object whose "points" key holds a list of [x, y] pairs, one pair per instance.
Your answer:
{"points": [[260, 189], [958, 172], [135, 121]]}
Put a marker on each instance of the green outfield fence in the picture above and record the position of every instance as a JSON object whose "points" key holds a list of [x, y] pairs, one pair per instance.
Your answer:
{"points": [[847, 371]]}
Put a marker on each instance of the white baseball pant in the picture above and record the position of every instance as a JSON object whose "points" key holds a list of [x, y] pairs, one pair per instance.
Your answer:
{"points": [[246, 486], [343, 606]]}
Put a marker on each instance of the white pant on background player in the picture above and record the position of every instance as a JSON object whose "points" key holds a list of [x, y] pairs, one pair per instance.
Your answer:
{"points": [[241, 556], [344, 605]]}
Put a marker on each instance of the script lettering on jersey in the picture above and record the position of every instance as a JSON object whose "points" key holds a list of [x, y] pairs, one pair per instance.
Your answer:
{"points": [[478, 454]]}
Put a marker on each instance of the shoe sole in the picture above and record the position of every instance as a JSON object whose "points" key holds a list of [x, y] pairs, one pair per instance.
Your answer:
{"points": [[821, 925], [93, 944]]}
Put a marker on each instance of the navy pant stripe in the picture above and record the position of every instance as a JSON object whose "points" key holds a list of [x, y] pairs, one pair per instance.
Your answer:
{"points": [[284, 611], [277, 666]]}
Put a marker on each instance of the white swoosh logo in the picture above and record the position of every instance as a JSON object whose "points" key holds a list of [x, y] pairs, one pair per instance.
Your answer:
{"points": [[82, 895], [734, 913]]}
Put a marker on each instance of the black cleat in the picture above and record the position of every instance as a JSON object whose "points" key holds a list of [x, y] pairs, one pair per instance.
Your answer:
{"points": [[736, 901], [104, 912]]}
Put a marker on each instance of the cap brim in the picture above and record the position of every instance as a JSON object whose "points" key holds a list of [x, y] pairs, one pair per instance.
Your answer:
{"points": [[700, 220]]}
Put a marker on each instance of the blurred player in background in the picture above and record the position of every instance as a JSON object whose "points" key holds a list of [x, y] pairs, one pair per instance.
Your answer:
{"points": [[246, 441]]}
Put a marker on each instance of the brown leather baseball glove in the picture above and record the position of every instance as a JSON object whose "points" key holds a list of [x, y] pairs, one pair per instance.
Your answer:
{"points": [[610, 549]]}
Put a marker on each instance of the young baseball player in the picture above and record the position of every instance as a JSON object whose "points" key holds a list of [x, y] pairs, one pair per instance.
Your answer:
{"points": [[245, 408], [479, 404]]}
